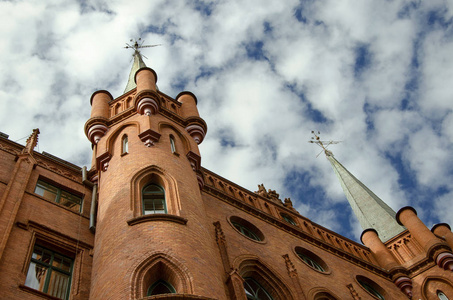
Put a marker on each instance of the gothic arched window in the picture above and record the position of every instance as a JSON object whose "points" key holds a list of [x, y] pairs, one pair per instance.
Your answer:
{"points": [[124, 145], [153, 200], [161, 287], [254, 291], [172, 144]]}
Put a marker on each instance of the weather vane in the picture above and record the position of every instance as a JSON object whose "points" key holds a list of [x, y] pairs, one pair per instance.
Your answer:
{"points": [[323, 144], [137, 45]]}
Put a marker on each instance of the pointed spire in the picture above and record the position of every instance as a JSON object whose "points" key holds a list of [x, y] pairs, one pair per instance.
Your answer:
{"points": [[138, 63], [32, 141], [369, 209]]}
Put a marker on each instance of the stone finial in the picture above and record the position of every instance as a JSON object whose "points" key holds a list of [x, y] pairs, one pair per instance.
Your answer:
{"points": [[32, 141], [288, 203], [262, 191], [354, 294], [220, 236], [290, 266]]}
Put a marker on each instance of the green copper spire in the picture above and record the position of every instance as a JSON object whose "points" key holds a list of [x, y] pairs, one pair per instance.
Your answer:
{"points": [[138, 63], [369, 209]]}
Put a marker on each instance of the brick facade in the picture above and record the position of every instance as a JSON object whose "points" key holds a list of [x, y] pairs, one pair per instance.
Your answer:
{"points": [[199, 246]]}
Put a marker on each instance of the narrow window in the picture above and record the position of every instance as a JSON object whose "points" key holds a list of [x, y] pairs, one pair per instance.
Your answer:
{"points": [[153, 197], [124, 145], [254, 291], [172, 144], [49, 272], [56, 194], [441, 295], [161, 287]]}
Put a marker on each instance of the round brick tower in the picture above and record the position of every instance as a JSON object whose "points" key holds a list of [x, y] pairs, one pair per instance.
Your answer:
{"points": [[151, 230]]}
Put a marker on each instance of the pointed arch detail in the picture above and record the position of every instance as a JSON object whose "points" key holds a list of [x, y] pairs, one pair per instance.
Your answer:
{"points": [[115, 133], [432, 284], [157, 175], [177, 133], [160, 266], [252, 266]]}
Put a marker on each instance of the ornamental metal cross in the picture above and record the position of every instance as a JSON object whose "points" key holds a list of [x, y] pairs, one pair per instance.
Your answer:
{"points": [[137, 45], [323, 144]]}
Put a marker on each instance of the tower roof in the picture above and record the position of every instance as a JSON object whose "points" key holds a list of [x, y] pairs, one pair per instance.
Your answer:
{"points": [[371, 211], [138, 64]]}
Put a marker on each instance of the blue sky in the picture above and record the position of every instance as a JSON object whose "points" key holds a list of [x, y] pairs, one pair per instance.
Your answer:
{"points": [[375, 75]]}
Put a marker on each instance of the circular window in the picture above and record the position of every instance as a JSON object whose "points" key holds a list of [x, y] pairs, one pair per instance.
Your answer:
{"points": [[288, 219], [371, 287], [311, 259], [247, 229]]}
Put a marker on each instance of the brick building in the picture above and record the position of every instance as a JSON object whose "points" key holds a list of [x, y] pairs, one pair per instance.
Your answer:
{"points": [[147, 221]]}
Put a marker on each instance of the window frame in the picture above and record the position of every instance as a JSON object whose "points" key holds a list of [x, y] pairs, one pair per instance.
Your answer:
{"points": [[164, 200], [172, 144], [46, 186], [157, 283], [50, 268], [368, 286], [311, 262], [288, 219], [255, 292], [246, 231], [124, 145]]}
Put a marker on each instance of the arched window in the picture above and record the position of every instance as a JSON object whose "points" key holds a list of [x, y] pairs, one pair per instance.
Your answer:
{"points": [[371, 289], [172, 144], [311, 259], [288, 219], [124, 145], [153, 197], [161, 287], [245, 231], [255, 291], [441, 295]]}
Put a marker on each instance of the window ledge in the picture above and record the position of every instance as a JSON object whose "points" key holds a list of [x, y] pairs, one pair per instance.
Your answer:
{"points": [[37, 293], [157, 217]]}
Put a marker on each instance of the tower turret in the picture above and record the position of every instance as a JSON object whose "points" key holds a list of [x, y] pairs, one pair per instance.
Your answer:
{"points": [[148, 237]]}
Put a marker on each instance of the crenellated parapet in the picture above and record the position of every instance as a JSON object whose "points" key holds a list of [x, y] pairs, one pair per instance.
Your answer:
{"points": [[272, 211]]}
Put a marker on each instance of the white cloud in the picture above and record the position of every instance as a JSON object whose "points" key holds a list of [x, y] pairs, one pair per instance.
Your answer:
{"points": [[55, 55]]}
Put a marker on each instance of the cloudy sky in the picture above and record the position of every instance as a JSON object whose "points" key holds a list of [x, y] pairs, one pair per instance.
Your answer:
{"points": [[376, 75]]}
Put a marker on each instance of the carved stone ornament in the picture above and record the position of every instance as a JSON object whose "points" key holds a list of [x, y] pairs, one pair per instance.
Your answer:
{"points": [[290, 266], [147, 106], [149, 137], [103, 161], [354, 294]]}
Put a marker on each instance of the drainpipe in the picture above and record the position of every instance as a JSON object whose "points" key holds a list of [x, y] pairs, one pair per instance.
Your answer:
{"points": [[94, 196]]}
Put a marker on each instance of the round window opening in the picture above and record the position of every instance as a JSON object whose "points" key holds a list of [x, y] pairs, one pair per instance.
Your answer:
{"points": [[371, 287], [247, 229], [312, 260]]}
